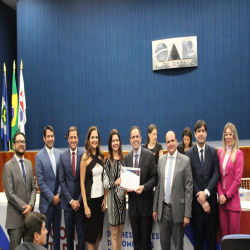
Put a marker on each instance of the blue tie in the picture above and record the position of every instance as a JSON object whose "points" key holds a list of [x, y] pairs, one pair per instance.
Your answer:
{"points": [[202, 161], [168, 186], [24, 175]]}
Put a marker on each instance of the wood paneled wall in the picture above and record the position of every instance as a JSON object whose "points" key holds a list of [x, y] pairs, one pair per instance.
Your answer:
{"points": [[30, 155]]}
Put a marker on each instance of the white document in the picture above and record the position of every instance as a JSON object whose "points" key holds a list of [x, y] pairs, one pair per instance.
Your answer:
{"points": [[130, 178]]}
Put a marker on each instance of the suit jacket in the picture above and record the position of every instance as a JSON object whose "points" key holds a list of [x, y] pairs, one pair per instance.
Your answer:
{"points": [[70, 186], [47, 181], [182, 188], [232, 178], [144, 201], [30, 246], [18, 194], [207, 179]]}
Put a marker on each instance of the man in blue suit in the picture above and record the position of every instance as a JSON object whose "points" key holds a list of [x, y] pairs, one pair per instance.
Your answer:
{"points": [[69, 174], [47, 174], [206, 174]]}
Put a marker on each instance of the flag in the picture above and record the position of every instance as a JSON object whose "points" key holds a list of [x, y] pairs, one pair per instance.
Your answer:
{"points": [[22, 105], [5, 131], [14, 109]]}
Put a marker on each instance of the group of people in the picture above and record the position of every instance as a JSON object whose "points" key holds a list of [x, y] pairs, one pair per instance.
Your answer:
{"points": [[187, 180]]}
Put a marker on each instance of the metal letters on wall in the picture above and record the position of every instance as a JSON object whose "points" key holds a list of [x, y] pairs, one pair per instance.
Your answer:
{"points": [[175, 53]]}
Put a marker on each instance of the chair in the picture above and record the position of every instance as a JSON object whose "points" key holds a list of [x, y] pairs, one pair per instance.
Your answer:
{"points": [[245, 183], [235, 242]]}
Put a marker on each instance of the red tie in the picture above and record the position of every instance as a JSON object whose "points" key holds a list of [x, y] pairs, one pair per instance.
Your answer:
{"points": [[73, 164]]}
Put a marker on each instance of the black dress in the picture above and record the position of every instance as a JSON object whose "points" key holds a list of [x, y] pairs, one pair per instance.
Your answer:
{"points": [[155, 150], [94, 224]]}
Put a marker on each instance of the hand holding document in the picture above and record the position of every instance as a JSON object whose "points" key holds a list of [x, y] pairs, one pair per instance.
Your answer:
{"points": [[130, 178]]}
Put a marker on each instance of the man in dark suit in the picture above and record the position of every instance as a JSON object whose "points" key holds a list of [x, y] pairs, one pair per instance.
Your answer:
{"points": [[206, 174], [34, 232], [141, 199], [71, 202], [20, 190], [173, 195], [47, 174]]}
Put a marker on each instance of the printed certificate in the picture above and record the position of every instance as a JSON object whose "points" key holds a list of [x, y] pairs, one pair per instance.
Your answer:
{"points": [[130, 178]]}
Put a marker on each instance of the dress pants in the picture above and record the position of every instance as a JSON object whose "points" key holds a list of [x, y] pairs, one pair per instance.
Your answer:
{"points": [[204, 225], [141, 229], [15, 236], [53, 217], [167, 228], [73, 219], [229, 221]]}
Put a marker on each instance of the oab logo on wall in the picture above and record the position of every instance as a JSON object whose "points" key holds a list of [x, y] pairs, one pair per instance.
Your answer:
{"points": [[175, 53]]}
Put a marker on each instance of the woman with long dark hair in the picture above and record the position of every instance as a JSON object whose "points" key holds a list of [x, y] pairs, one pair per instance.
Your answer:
{"points": [[93, 193], [152, 143], [186, 142], [116, 195]]}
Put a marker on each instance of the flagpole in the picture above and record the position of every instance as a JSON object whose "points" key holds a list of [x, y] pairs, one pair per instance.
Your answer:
{"points": [[4, 70]]}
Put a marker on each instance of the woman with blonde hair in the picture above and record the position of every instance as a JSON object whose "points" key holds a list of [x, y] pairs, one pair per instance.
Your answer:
{"points": [[93, 193], [231, 169], [116, 195]]}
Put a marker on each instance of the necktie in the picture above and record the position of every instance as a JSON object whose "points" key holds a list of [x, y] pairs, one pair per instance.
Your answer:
{"points": [[73, 164], [168, 186], [24, 174], [202, 160], [136, 161], [52, 161]]}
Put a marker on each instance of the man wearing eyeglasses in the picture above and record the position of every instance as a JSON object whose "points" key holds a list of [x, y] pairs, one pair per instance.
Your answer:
{"points": [[141, 199], [206, 174], [20, 190]]}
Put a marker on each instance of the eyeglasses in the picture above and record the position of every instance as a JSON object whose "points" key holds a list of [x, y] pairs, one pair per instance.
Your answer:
{"points": [[135, 137], [228, 135], [20, 142]]}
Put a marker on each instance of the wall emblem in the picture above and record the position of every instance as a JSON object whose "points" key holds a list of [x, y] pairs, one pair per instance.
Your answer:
{"points": [[177, 52]]}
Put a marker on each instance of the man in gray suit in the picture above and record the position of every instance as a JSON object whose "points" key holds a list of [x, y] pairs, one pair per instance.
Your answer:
{"points": [[173, 194], [20, 190]]}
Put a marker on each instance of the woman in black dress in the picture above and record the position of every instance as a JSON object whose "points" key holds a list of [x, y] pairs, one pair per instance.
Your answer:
{"points": [[93, 193], [116, 195], [186, 141], [152, 143]]}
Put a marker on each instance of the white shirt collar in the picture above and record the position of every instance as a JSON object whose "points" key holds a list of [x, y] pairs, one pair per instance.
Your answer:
{"points": [[174, 154]]}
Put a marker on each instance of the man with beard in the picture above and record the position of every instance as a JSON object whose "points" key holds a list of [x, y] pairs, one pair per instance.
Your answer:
{"points": [[20, 190]]}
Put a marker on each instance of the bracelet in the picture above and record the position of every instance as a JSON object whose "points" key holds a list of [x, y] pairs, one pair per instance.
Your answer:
{"points": [[226, 196]]}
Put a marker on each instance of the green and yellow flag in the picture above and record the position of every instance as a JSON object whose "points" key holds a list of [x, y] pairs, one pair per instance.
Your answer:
{"points": [[14, 107]]}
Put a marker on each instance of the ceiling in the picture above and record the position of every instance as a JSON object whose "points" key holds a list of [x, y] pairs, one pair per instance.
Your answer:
{"points": [[11, 3]]}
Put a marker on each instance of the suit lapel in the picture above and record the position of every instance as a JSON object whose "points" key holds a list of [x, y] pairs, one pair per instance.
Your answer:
{"points": [[47, 157], [57, 156], [18, 170], [207, 156], [69, 163], [163, 169], [130, 159], [177, 164], [78, 162], [141, 158]]}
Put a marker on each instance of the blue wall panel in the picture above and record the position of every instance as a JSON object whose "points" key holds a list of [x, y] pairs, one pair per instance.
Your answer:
{"points": [[89, 62], [8, 50]]}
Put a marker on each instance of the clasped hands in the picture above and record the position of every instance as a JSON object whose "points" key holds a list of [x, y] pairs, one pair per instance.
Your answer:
{"points": [[222, 199], [201, 198], [75, 204]]}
